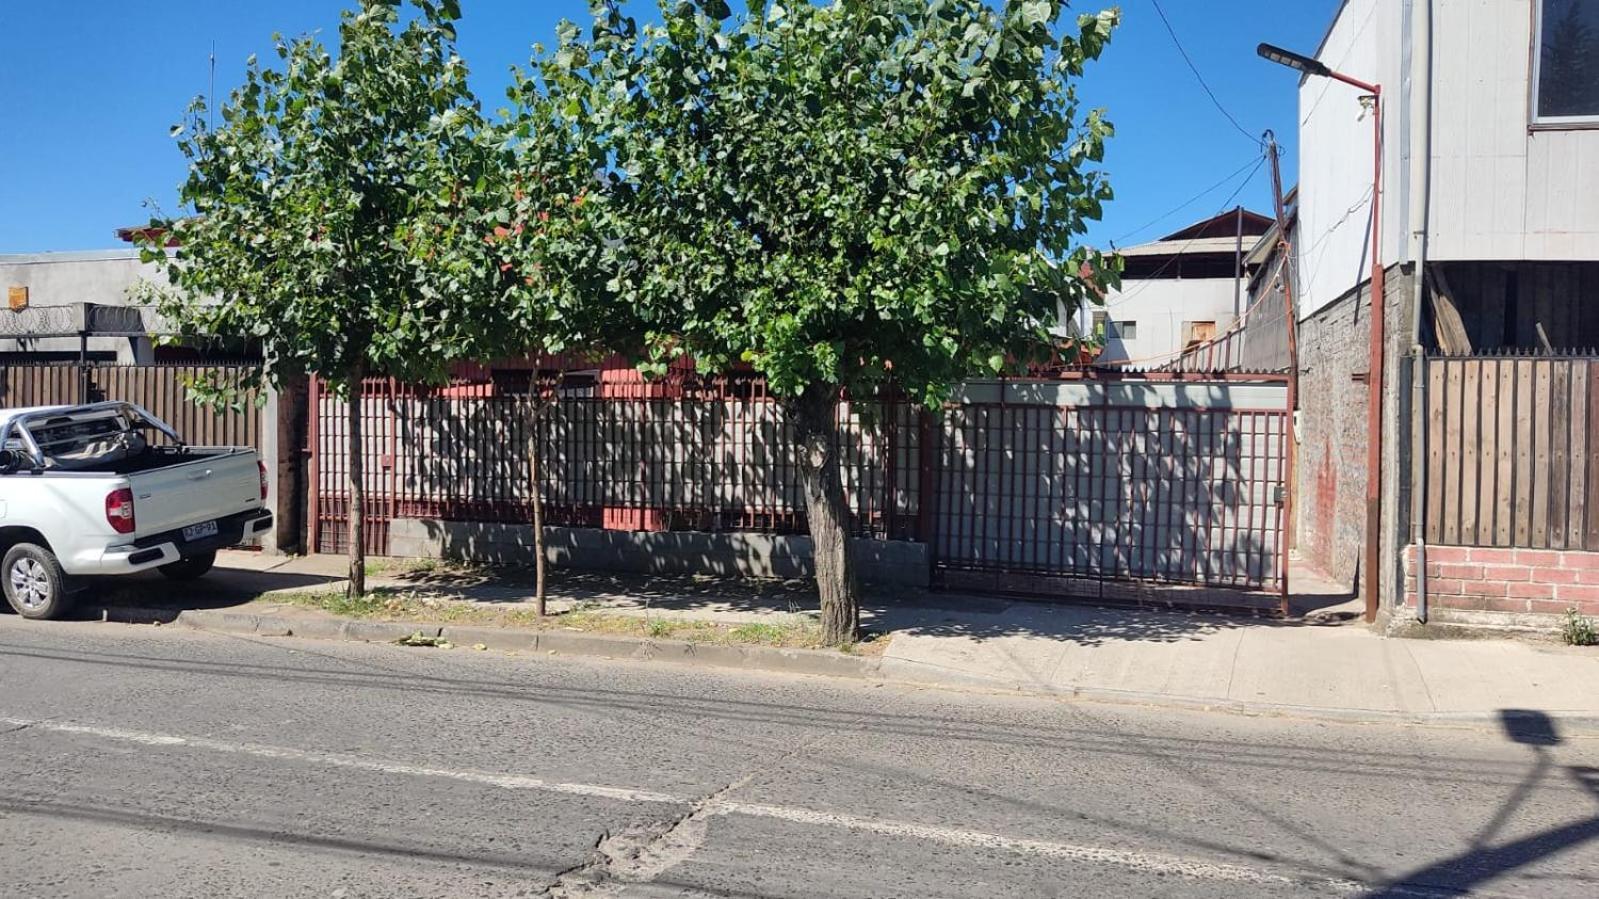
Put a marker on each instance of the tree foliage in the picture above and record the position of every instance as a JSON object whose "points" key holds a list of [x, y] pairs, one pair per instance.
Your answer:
{"points": [[844, 196], [846, 193], [304, 205], [313, 206]]}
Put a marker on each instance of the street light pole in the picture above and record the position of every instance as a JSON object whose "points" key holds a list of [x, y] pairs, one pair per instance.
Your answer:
{"points": [[1375, 366]]}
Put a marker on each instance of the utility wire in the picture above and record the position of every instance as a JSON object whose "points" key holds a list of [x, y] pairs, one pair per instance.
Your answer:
{"points": [[1188, 202], [1150, 278], [1198, 77]]}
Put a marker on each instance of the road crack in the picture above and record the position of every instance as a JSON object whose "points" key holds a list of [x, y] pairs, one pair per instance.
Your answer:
{"points": [[644, 850]]}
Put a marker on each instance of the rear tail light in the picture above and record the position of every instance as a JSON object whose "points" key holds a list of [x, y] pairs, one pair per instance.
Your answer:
{"points": [[119, 510], [262, 466]]}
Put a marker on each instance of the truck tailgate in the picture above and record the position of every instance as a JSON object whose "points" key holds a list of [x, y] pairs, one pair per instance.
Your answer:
{"points": [[217, 483]]}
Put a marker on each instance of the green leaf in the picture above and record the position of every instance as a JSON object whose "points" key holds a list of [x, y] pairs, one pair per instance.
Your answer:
{"points": [[1035, 12]]}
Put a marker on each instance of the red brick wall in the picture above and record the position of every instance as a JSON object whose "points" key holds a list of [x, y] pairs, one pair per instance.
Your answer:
{"points": [[1542, 581]]}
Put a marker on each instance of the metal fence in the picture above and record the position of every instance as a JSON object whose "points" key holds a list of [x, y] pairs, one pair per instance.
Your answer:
{"points": [[1171, 480], [711, 454], [1511, 448]]}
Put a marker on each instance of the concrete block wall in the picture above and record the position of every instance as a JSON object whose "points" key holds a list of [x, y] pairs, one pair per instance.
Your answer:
{"points": [[895, 562], [1514, 582]]}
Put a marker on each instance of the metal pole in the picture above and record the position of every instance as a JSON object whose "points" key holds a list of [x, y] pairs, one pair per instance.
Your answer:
{"points": [[1238, 264], [1418, 481], [83, 367], [1374, 376], [1291, 323]]}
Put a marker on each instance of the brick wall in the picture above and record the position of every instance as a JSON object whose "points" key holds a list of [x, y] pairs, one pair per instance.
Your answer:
{"points": [[1330, 501], [1519, 581], [1330, 471]]}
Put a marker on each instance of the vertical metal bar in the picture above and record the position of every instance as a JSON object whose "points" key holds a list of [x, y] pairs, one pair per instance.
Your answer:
{"points": [[1238, 265], [314, 465], [394, 460]]}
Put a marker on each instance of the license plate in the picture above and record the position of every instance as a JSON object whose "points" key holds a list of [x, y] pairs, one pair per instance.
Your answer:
{"points": [[200, 531]]}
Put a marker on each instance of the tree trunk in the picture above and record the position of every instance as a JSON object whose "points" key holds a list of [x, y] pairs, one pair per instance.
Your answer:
{"points": [[356, 516], [535, 457], [815, 419]]}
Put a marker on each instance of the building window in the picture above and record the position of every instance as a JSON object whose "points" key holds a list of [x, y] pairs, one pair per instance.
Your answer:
{"points": [[1105, 329], [1565, 66], [1196, 333]]}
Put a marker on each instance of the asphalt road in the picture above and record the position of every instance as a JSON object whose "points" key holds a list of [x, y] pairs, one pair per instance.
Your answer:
{"points": [[139, 761]]}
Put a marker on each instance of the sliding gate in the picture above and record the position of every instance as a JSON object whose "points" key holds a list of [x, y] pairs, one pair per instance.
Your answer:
{"points": [[1164, 490]]}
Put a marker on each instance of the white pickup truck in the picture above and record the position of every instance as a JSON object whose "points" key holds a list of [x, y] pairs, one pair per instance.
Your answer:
{"points": [[89, 491]]}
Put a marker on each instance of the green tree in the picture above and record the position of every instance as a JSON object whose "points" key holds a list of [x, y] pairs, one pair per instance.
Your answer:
{"points": [[515, 229], [858, 196], [308, 209]]}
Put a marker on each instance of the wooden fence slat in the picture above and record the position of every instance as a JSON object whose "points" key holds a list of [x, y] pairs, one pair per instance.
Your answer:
{"points": [[1436, 413], [1590, 539], [1505, 438], [1538, 486], [1488, 511], [1559, 447], [1577, 466], [1470, 448], [1454, 381], [1522, 485]]}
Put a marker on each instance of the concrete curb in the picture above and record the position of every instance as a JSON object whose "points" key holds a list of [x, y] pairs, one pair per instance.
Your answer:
{"points": [[779, 660], [573, 643]]}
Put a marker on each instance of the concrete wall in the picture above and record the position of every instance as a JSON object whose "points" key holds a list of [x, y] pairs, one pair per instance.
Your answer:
{"points": [[57, 282], [680, 552], [1160, 307]]}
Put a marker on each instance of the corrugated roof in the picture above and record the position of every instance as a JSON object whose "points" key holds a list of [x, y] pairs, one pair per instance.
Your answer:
{"points": [[1193, 247]]}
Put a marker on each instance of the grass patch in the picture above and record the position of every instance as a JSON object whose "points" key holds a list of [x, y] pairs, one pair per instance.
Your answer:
{"points": [[389, 604], [404, 567]]}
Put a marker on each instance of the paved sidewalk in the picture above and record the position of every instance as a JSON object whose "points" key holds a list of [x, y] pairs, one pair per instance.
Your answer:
{"points": [[1323, 662]]}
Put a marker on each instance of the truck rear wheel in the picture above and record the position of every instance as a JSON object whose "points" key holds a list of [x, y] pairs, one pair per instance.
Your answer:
{"points": [[190, 567], [34, 584]]}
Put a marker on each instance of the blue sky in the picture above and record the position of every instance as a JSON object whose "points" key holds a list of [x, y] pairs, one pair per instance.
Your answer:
{"points": [[88, 91]]}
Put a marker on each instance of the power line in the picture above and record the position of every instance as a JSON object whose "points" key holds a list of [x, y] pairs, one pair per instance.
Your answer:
{"points": [[1188, 202], [1198, 77], [1150, 278]]}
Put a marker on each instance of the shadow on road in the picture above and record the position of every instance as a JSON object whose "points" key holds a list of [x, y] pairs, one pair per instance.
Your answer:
{"points": [[1485, 860]]}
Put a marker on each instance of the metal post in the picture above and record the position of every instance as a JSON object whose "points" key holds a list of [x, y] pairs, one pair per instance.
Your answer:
{"points": [[927, 486], [83, 368], [1374, 376], [314, 457], [1238, 265]]}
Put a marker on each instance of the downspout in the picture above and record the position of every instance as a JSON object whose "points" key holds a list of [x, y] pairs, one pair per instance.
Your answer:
{"points": [[1420, 189]]}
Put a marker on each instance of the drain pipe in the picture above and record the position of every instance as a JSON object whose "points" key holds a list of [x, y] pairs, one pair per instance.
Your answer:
{"points": [[1420, 188], [1418, 482]]}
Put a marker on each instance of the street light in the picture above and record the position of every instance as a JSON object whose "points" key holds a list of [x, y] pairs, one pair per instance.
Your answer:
{"points": [[1374, 375], [1308, 65]]}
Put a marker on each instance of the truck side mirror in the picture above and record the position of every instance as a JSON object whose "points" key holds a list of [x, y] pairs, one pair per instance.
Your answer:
{"points": [[10, 461]]}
